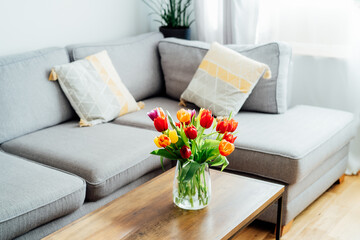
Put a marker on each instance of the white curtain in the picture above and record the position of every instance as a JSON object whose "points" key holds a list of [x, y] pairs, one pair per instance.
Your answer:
{"points": [[226, 21], [324, 35]]}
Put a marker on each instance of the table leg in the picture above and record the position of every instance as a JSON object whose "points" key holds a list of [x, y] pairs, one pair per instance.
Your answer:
{"points": [[279, 218]]}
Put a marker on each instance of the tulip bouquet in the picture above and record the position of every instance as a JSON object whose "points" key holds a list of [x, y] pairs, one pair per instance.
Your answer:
{"points": [[194, 151]]}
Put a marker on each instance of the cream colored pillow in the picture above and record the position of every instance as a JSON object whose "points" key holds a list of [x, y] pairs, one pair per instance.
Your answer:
{"points": [[224, 80], [94, 89]]}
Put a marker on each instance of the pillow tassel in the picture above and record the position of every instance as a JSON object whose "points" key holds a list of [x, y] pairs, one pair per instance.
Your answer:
{"points": [[84, 123], [53, 76], [141, 104], [182, 103], [267, 74]]}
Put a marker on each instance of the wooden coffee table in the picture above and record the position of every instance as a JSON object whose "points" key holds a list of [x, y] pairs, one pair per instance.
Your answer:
{"points": [[148, 212]]}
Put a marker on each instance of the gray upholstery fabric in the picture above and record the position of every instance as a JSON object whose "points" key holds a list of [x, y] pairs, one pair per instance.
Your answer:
{"points": [[136, 60], [287, 147], [88, 207], [262, 147], [293, 191], [107, 156], [28, 101], [32, 195], [310, 193], [141, 120], [181, 58]]}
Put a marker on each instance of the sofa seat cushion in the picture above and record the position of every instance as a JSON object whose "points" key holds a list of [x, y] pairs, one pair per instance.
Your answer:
{"points": [[141, 120], [287, 147], [32, 194], [107, 156]]}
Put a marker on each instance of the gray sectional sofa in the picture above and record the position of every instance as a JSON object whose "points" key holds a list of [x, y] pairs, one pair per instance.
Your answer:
{"points": [[53, 172]]}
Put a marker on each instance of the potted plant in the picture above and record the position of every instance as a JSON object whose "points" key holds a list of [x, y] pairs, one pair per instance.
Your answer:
{"points": [[174, 17]]}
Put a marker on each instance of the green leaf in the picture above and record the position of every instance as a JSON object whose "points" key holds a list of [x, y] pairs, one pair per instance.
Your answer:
{"points": [[166, 154], [189, 170], [218, 161], [162, 163], [183, 137], [225, 164], [211, 143], [172, 123]]}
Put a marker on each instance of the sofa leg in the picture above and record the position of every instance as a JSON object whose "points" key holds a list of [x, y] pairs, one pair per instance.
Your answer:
{"points": [[341, 179], [285, 228]]}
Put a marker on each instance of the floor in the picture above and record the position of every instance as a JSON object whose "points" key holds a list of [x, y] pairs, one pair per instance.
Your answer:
{"points": [[335, 215]]}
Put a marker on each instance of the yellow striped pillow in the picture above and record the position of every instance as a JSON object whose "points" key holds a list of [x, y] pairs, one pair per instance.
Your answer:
{"points": [[94, 89], [103, 65], [224, 80]]}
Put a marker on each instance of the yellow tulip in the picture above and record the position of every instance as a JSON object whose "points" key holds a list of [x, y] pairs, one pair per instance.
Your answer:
{"points": [[173, 136], [200, 112], [156, 141]]}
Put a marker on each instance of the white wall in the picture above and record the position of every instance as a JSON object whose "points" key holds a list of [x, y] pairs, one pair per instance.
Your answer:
{"points": [[32, 24]]}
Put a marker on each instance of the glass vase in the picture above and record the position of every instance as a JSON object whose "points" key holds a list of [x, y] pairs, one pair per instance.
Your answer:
{"points": [[193, 194]]}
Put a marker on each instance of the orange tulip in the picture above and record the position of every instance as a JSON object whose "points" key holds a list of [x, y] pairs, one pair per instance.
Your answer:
{"points": [[156, 141], [226, 148], [183, 115], [164, 140]]}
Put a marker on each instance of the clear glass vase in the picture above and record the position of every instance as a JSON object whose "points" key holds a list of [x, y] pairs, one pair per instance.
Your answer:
{"points": [[193, 194]]}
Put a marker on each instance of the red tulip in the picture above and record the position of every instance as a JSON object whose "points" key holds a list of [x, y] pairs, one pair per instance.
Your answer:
{"points": [[206, 119], [178, 124], [161, 124], [185, 152], [191, 132], [225, 148], [222, 126], [229, 137], [232, 125]]}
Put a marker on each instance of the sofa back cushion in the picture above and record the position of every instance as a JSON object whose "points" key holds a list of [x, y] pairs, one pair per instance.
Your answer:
{"points": [[28, 101], [136, 59], [181, 58]]}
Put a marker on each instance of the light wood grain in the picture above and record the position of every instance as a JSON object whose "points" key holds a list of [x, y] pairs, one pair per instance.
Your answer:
{"points": [[286, 228], [335, 215], [148, 211]]}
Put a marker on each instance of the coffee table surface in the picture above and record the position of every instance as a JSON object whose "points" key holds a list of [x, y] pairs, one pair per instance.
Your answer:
{"points": [[148, 211]]}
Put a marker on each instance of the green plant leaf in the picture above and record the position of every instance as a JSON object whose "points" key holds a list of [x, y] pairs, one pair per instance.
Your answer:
{"points": [[166, 154], [162, 163], [172, 123], [225, 164], [183, 137], [189, 170], [218, 161], [211, 143]]}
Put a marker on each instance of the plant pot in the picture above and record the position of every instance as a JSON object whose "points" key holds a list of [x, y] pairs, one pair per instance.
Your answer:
{"points": [[177, 32], [193, 194]]}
